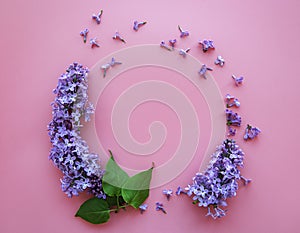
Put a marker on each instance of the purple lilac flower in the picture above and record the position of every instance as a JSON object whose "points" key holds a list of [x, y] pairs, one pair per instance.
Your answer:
{"points": [[203, 70], [233, 118], [251, 132], [97, 17], [238, 80], [163, 45], [183, 33], [179, 191], [137, 25], [231, 101], [94, 42], [172, 42], [117, 36], [159, 207], [168, 193], [84, 33], [183, 52], [143, 208], [231, 131], [245, 180], [220, 61], [207, 45], [106, 66], [70, 153], [219, 181]]}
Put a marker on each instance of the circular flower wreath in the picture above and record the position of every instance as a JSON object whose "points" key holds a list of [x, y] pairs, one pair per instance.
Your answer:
{"points": [[81, 169]]}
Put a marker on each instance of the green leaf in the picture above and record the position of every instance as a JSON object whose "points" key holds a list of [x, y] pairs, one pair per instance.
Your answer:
{"points": [[113, 201], [136, 190], [114, 178], [94, 210]]}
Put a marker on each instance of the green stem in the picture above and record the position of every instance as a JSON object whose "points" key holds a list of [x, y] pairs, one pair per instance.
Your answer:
{"points": [[119, 207]]}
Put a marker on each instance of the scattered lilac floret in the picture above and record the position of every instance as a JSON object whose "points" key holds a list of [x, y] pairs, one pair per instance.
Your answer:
{"points": [[163, 45], [231, 131], [172, 42], [94, 42], [97, 17], [179, 191], [183, 33], [70, 153], [117, 36], [245, 180], [143, 208], [106, 66], [238, 80], [84, 33], [203, 70], [207, 45], [233, 119], [219, 181], [220, 61], [159, 207], [183, 52], [137, 25], [168, 193], [251, 132], [231, 101]]}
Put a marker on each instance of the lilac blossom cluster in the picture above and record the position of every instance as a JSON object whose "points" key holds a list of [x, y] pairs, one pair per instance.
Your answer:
{"points": [[69, 152], [219, 182]]}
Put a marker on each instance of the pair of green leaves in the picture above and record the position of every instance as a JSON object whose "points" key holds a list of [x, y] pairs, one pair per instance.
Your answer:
{"points": [[121, 191]]}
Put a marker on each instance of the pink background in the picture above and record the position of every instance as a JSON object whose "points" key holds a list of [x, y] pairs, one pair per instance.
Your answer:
{"points": [[258, 40]]}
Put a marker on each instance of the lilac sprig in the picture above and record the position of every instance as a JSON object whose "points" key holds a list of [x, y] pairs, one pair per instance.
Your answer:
{"points": [[108, 65], [70, 153], [137, 25], [251, 132], [165, 46], [219, 182], [233, 119]]}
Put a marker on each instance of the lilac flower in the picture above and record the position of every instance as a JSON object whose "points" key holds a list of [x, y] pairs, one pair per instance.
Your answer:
{"points": [[163, 45], [245, 180], [231, 131], [183, 33], [179, 191], [94, 42], [233, 118], [106, 66], [220, 61], [238, 80], [207, 45], [183, 52], [219, 181], [143, 208], [84, 34], [117, 36], [251, 132], [172, 42], [70, 153], [97, 17], [159, 207], [203, 70], [168, 193], [231, 101], [137, 25]]}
